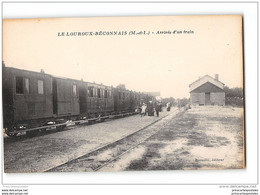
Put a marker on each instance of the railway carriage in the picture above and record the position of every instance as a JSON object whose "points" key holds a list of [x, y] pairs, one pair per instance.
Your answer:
{"points": [[27, 97], [99, 100], [65, 98], [135, 100], [32, 99], [35, 99], [122, 100], [144, 98]]}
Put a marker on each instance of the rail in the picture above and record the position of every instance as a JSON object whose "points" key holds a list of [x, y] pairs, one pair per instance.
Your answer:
{"points": [[131, 140]]}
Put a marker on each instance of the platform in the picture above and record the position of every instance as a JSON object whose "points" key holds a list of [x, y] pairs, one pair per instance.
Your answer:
{"points": [[41, 153]]}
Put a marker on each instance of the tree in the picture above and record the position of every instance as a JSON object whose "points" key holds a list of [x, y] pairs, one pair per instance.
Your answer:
{"points": [[234, 96], [170, 99], [233, 92], [183, 102], [121, 86]]}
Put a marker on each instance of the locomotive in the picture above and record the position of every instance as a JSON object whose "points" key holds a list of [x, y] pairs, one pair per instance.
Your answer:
{"points": [[36, 99]]}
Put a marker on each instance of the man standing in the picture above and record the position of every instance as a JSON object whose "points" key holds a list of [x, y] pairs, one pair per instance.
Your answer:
{"points": [[157, 109], [168, 106]]}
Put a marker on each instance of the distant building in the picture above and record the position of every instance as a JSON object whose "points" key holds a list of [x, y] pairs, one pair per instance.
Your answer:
{"points": [[207, 91]]}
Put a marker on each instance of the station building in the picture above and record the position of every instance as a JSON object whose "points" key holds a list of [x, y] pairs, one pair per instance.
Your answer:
{"points": [[207, 91]]}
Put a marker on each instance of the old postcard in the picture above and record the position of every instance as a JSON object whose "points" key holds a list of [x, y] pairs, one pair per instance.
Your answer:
{"points": [[123, 94]]}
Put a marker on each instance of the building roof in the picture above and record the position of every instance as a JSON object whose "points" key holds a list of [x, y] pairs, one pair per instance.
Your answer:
{"points": [[204, 80]]}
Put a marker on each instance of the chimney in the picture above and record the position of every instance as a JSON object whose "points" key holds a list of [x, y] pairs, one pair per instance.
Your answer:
{"points": [[216, 77]]}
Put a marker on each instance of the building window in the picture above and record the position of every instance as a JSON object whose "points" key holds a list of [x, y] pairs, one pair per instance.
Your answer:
{"points": [[74, 90], [27, 85], [40, 87], [19, 85]]}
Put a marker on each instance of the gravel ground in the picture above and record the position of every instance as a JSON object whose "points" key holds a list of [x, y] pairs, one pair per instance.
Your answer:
{"points": [[200, 138], [45, 152], [96, 160]]}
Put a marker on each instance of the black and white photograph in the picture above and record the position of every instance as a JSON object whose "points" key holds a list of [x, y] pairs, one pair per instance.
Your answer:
{"points": [[112, 94]]}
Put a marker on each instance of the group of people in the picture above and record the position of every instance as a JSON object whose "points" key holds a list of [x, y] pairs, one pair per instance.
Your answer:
{"points": [[150, 109]]}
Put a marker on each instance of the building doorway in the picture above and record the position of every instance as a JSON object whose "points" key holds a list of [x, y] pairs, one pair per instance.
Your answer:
{"points": [[207, 99]]}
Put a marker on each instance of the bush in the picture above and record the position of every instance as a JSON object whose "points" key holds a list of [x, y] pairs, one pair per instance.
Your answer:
{"points": [[234, 96]]}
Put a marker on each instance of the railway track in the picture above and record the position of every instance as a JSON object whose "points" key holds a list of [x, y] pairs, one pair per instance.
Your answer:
{"points": [[103, 156]]}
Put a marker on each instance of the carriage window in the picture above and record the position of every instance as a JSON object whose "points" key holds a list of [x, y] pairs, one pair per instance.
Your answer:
{"points": [[19, 85], [27, 85], [51, 85], [90, 92], [40, 87], [94, 92], [74, 90], [99, 93], [105, 93]]}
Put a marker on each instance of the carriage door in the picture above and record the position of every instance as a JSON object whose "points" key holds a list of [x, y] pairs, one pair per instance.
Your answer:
{"points": [[83, 100], [75, 99], [54, 91]]}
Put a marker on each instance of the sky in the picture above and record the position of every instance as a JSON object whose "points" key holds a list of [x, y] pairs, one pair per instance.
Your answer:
{"points": [[163, 62]]}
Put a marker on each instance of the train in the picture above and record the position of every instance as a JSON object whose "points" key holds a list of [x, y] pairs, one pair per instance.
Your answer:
{"points": [[35, 99]]}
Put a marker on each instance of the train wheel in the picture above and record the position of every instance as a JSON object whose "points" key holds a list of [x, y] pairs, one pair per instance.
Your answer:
{"points": [[12, 134], [91, 122], [60, 128], [32, 133], [44, 130]]}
